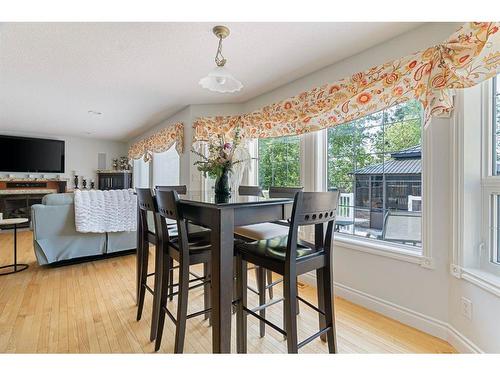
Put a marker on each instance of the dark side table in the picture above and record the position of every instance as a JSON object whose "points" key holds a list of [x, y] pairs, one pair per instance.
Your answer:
{"points": [[15, 267]]}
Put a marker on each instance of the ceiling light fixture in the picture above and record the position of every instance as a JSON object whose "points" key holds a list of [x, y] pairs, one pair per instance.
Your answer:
{"points": [[219, 79]]}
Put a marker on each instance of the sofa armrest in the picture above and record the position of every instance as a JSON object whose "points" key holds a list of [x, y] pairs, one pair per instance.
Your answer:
{"points": [[50, 221]]}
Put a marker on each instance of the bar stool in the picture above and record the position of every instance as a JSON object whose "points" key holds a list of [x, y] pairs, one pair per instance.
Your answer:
{"points": [[186, 253], [149, 227], [265, 231], [146, 205], [291, 257]]}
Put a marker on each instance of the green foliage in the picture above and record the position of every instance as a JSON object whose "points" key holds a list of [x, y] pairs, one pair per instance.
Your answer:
{"points": [[369, 140], [279, 162], [351, 146]]}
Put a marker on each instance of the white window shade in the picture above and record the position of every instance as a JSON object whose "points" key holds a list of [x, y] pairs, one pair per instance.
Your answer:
{"points": [[141, 173], [166, 168]]}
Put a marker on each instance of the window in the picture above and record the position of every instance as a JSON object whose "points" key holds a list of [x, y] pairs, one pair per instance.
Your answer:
{"points": [[496, 127], [141, 173], [491, 183], [166, 168], [279, 162], [375, 162]]}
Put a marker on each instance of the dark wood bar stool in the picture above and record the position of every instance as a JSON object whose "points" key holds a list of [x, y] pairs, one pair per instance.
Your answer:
{"points": [[291, 257], [187, 253], [265, 231], [149, 227], [146, 235]]}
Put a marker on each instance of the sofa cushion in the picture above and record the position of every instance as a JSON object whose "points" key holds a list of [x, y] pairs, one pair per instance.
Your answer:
{"points": [[58, 199]]}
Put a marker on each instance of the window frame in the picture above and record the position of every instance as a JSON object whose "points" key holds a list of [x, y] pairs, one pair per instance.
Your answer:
{"points": [[487, 255], [313, 173], [419, 255]]}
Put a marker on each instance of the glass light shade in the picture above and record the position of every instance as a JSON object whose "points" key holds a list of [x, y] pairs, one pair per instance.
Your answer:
{"points": [[220, 80]]}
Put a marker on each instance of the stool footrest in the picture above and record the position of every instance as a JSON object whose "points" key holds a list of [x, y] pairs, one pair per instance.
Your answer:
{"points": [[266, 305], [315, 336], [198, 313], [310, 305], [272, 325], [149, 289]]}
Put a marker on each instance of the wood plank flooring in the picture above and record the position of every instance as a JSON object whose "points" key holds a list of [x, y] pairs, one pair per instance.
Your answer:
{"points": [[90, 308]]}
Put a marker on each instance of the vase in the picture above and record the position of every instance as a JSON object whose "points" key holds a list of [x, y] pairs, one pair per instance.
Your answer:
{"points": [[222, 189]]}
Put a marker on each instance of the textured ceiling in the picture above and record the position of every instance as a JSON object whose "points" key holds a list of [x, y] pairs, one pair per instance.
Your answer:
{"points": [[137, 74]]}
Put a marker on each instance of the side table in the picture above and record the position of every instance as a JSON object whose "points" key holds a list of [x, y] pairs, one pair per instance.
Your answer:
{"points": [[16, 267]]}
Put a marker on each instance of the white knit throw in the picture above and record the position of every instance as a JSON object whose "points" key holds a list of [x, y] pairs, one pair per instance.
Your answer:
{"points": [[101, 211]]}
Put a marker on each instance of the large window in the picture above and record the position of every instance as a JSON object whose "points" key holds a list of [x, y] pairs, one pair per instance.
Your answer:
{"points": [[166, 168], [279, 162], [376, 164]]}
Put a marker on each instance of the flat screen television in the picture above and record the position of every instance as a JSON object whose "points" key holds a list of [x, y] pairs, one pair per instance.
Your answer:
{"points": [[20, 154]]}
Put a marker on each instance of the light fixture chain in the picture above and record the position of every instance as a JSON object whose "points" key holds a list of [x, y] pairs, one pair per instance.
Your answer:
{"points": [[219, 58]]}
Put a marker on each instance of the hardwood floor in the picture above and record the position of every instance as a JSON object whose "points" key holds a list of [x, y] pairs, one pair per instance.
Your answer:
{"points": [[90, 308]]}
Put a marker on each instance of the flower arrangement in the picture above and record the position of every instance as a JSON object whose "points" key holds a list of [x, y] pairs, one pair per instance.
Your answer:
{"points": [[220, 161]]}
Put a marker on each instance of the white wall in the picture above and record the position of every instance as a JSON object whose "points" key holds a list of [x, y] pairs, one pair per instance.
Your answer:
{"points": [[426, 298], [80, 155]]}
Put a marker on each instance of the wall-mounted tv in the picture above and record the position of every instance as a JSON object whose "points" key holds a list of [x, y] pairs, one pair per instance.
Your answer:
{"points": [[20, 154]]}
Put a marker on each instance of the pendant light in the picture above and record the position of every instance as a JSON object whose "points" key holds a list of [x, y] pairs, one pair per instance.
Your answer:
{"points": [[220, 79]]}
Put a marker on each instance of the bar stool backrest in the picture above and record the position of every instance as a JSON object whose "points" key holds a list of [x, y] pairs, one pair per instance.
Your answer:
{"points": [[147, 205], [284, 192], [169, 208], [180, 189], [253, 191], [315, 208]]}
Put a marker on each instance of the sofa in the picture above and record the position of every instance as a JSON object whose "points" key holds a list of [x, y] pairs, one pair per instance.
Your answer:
{"points": [[55, 237]]}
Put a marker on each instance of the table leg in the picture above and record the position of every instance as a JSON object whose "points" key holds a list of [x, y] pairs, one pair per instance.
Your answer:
{"points": [[15, 248], [222, 278]]}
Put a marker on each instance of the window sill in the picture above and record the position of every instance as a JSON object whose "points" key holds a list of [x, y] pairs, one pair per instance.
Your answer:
{"points": [[483, 279], [395, 251]]}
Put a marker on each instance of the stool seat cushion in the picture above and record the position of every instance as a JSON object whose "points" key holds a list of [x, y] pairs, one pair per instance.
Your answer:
{"points": [[262, 231], [276, 248]]}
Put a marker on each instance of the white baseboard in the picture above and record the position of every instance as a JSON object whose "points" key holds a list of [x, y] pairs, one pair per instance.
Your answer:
{"points": [[422, 322]]}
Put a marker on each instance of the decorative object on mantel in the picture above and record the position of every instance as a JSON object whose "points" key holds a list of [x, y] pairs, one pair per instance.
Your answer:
{"points": [[160, 141], [469, 57], [124, 164], [92, 184], [84, 183], [115, 164], [219, 79], [220, 163], [76, 181]]}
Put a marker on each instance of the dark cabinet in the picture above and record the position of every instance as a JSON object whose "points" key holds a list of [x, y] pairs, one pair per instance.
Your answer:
{"points": [[114, 180]]}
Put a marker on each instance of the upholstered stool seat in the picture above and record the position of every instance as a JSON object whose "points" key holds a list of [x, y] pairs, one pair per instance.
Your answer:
{"points": [[261, 231]]}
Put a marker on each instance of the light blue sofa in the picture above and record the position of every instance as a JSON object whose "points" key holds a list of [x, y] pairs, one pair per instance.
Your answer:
{"points": [[55, 237]]}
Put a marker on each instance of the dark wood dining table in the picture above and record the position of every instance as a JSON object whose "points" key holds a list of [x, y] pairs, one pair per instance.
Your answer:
{"points": [[222, 216]]}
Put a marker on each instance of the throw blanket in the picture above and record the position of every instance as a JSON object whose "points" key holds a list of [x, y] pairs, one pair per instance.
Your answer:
{"points": [[101, 211]]}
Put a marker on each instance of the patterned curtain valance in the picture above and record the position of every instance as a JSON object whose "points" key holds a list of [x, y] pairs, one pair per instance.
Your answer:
{"points": [[160, 141], [468, 57]]}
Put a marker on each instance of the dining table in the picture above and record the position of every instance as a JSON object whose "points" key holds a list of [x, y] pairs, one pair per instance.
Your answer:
{"points": [[221, 215]]}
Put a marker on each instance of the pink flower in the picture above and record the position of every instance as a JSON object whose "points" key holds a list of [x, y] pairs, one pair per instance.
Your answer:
{"points": [[227, 146]]}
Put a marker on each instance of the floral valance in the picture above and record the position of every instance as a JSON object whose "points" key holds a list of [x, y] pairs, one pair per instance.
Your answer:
{"points": [[160, 141], [468, 57]]}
